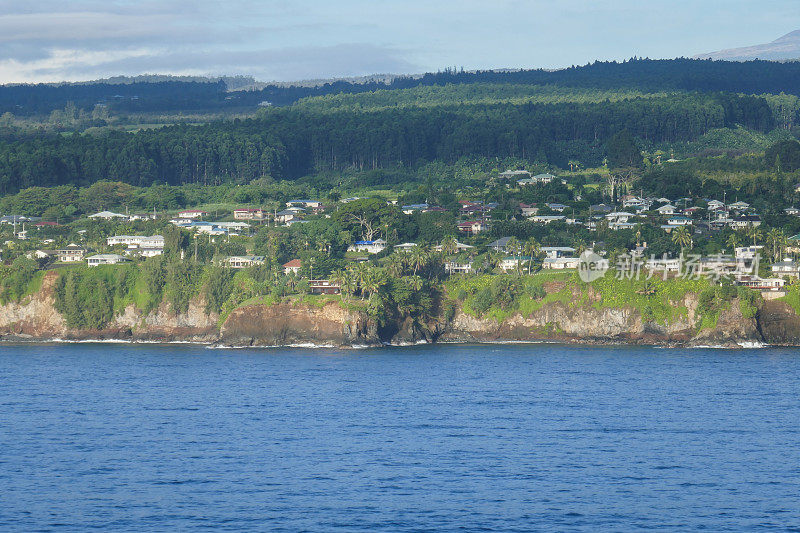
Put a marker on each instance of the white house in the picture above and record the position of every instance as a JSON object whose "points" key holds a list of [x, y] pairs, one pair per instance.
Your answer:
{"points": [[560, 263], [748, 252], [108, 215], [667, 210], [619, 217], [511, 263], [292, 267], [249, 214], [405, 247], [787, 267], [515, 174], [679, 221], [135, 241], [105, 259], [192, 214], [544, 178], [245, 261], [458, 267], [554, 252], [71, 253], [459, 247], [371, 247], [547, 219], [472, 227]]}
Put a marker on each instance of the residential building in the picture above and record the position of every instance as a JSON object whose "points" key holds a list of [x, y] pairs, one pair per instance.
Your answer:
{"points": [[544, 178], [71, 253], [249, 214], [500, 245], [135, 241], [413, 208], [105, 259], [558, 208], [679, 220], [243, 261], [555, 252], [667, 210], [323, 286], [560, 263], [310, 203], [786, 268], [528, 210], [292, 267], [108, 215], [602, 209], [515, 174], [193, 214], [745, 221], [287, 215], [761, 284], [514, 262], [619, 217], [473, 227], [371, 247], [547, 219], [405, 247], [458, 267], [460, 247]]}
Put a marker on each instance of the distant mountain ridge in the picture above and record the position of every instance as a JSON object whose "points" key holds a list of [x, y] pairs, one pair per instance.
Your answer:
{"points": [[782, 49]]}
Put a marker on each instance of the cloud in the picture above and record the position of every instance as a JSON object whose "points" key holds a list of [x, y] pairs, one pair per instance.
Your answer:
{"points": [[52, 40], [293, 63]]}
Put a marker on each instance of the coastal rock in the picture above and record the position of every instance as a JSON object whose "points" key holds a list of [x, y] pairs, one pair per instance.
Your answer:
{"points": [[290, 324], [35, 316]]}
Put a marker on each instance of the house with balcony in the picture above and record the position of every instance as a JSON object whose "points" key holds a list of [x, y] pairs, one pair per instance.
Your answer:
{"points": [[243, 261], [370, 247]]}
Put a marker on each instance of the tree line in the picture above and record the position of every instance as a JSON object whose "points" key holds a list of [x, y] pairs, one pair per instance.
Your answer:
{"points": [[288, 143]]}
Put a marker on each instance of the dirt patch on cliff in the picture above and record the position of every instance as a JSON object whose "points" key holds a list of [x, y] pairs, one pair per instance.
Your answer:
{"points": [[286, 324]]}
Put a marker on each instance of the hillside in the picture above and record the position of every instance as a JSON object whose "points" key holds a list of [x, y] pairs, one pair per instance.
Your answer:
{"points": [[784, 48]]}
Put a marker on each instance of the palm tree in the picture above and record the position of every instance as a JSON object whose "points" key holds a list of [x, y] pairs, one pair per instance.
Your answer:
{"points": [[372, 283], [360, 274], [513, 248], [532, 249], [449, 245], [396, 265], [775, 239], [348, 284], [338, 277], [754, 232], [733, 241], [682, 237], [415, 282], [417, 259], [580, 246]]}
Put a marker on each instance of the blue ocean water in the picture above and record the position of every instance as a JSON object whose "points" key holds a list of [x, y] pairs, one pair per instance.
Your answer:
{"points": [[436, 438]]}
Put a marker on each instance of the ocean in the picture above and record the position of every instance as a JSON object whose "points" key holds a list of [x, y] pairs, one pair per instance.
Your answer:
{"points": [[520, 437]]}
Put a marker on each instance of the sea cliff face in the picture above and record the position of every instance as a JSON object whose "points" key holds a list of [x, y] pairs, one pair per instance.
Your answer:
{"points": [[297, 323]]}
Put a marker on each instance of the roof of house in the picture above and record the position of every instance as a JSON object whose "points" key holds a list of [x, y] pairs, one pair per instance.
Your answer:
{"points": [[294, 263]]}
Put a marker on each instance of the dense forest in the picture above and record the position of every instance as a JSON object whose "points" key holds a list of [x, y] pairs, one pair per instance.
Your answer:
{"points": [[290, 143], [645, 75]]}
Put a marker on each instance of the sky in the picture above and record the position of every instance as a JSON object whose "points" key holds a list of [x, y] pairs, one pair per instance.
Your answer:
{"points": [[288, 40]]}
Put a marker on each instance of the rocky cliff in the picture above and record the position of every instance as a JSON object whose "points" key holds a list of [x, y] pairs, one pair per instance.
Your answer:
{"points": [[295, 323]]}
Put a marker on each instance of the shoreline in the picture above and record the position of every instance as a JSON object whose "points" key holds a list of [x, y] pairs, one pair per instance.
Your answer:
{"points": [[16, 340]]}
